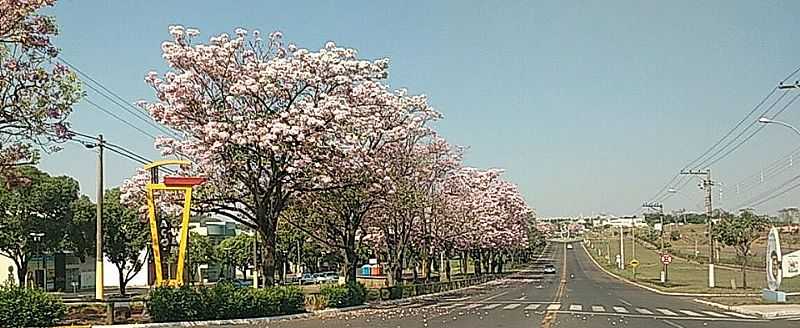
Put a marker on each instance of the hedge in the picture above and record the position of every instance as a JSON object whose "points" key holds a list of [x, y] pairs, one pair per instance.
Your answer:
{"points": [[29, 307], [223, 301], [338, 296]]}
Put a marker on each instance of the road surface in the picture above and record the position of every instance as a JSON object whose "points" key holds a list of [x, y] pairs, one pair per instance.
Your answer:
{"points": [[534, 299]]}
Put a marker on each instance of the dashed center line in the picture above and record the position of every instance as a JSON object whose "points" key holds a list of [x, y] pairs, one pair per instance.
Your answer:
{"points": [[472, 306], [598, 308], [644, 311], [667, 312], [694, 314], [554, 307], [575, 307], [714, 314], [532, 307], [511, 306], [491, 306]]}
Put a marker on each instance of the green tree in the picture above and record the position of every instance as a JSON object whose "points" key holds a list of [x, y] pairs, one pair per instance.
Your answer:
{"points": [[740, 232], [36, 216], [237, 252], [124, 238], [199, 252]]}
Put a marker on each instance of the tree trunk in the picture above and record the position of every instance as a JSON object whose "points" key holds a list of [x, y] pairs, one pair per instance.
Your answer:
{"points": [[476, 259], [22, 272], [122, 282], [268, 257], [350, 265], [744, 270]]}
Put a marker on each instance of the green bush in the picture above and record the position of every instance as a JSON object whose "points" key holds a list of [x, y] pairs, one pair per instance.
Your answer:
{"points": [[338, 296], [223, 301], [29, 307]]}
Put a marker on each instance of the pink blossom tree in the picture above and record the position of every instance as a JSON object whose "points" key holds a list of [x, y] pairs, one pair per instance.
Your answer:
{"points": [[265, 122], [35, 96]]}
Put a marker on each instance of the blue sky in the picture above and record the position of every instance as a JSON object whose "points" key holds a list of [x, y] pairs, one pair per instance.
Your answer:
{"points": [[591, 106]]}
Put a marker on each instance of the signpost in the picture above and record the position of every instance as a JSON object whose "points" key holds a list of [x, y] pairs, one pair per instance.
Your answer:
{"points": [[634, 264], [666, 259]]}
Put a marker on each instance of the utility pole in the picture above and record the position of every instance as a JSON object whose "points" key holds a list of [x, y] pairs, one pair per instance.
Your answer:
{"points": [[707, 185], [621, 247], [660, 208], [99, 283]]}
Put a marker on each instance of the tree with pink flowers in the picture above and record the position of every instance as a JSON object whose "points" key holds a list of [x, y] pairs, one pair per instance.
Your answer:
{"points": [[266, 122], [36, 96]]}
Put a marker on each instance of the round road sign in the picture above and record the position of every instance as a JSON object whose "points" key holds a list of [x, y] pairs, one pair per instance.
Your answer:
{"points": [[634, 263], [666, 259]]}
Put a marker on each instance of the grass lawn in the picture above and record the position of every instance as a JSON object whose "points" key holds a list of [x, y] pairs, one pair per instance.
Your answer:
{"points": [[684, 276]]}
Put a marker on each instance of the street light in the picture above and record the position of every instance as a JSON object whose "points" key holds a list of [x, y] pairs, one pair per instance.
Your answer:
{"points": [[37, 238], [765, 120]]}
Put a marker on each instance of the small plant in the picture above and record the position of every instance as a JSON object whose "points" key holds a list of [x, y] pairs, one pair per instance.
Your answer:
{"points": [[345, 295], [29, 307]]}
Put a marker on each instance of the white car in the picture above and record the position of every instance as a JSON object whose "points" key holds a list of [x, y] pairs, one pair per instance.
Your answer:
{"points": [[326, 277], [569, 246]]}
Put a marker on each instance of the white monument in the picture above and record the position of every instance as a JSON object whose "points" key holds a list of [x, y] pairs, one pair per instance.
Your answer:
{"points": [[779, 266]]}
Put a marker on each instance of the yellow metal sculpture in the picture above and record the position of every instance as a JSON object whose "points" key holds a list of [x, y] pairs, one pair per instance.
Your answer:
{"points": [[169, 183]]}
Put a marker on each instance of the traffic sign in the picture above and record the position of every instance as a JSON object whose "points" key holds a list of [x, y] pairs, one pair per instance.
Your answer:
{"points": [[634, 263], [666, 259]]}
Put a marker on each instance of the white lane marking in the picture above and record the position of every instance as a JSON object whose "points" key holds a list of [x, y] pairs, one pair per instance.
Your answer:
{"points": [[672, 324], [667, 312], [575, 307], [694, 314], [620, 309], [491, 306], [494, 296], [714, 314], [457, 299], [532, 307], [625, 302], [744, 316], [451, 306], [511, 306], [644, 311], [598, 308], [554, 307], [472, 306], [521, 298]]}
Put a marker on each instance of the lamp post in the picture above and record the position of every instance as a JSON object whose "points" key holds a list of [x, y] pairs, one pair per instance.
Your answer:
{"points": [[37, 238], [765, 120]]}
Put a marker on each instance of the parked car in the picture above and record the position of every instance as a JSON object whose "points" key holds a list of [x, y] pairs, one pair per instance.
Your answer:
{"points": [[326, 277], [569, 246], [549, 268], [308, 279]]}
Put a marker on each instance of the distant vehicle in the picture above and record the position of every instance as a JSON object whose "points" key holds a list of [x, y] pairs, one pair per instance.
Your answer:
{"points": [[326, 277], [569, 246], [549, 268], [308, 279]]}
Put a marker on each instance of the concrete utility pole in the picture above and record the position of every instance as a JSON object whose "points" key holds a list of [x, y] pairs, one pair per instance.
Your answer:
{"points": [[707, 185], [660, 208], [99, 283], [255, 259], [621, 248]]}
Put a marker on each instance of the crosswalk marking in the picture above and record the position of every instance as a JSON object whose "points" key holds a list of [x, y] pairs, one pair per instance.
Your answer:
{"points": [[667, 312], [737, 314], [554, 306], [620, 309], [694, 314], [532, 307], [714, 314], [644, 311], [472, 306], [575, 307], [511, 306], [491, 306], [451, 306], [598, 308]]}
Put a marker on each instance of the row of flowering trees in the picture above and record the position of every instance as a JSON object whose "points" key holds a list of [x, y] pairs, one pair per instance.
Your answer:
{"points": [[319, 140]]}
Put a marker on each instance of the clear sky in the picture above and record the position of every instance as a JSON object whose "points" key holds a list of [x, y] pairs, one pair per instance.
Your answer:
{"points": [[591, 106]]}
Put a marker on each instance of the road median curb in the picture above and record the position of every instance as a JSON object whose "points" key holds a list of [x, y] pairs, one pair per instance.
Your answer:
{"points": [[656, 290]]}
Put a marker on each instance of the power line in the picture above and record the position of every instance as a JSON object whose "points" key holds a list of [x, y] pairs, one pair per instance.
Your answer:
{"points": [[118, 100], [120, 119]]}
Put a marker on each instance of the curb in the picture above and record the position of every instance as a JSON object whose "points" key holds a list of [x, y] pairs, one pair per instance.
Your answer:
{"points": [[227, 322], [734, 308], [655, 290]]}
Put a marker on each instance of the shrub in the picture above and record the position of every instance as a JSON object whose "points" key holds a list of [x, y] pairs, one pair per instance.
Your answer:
{"points": [[344, 295], [223, 301], [29, 307]]}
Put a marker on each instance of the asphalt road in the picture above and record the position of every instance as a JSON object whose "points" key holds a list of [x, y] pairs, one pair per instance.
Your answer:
{"points": [[534, 299]]}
